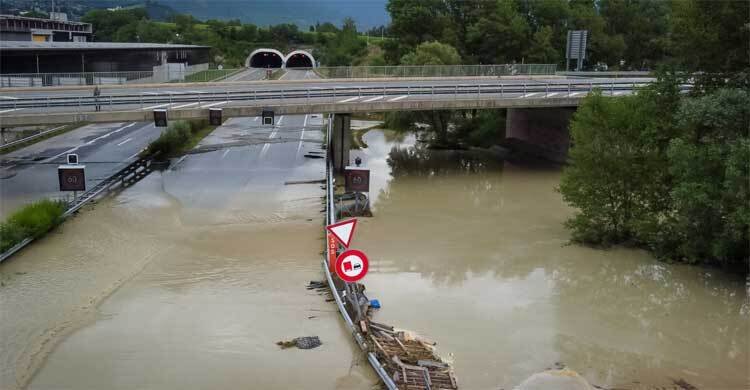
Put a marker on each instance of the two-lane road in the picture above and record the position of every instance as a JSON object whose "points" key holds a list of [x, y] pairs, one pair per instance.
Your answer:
{"points": [[30, 173]]}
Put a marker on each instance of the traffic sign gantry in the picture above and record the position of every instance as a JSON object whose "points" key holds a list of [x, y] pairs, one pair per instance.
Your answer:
{"points": [[343, 231], [352, 265]]}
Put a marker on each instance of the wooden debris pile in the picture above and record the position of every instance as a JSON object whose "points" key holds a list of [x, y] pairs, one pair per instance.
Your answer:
{"points": [[409, 360]]}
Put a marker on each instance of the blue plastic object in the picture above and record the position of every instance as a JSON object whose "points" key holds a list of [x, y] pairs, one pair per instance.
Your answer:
{"points": [[375, 304]]}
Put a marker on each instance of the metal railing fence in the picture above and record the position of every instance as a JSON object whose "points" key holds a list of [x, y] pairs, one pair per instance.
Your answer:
{"points": [[112, 78], [217, 75], [346, 72], [326, 94]]}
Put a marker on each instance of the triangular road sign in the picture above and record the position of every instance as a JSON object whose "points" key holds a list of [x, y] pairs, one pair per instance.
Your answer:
{"points": [[343, 231]]}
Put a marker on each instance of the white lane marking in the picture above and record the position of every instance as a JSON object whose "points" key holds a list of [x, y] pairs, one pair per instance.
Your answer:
{"points": [[225, 153], [11, 110], [398, 98], [256, 119], [575, 94], [124, 142], [529, 95], [281, 118], [618, 93], [151, 93], [90, 142], [214, 104], [349, 100], [8, 97], [270, 136], [552, 94], [135, 154], [373, 99], [156, 106], [185, 105], [283, 75], [301, 136]]}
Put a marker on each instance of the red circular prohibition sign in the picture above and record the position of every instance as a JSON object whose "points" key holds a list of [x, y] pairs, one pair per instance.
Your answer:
{"points": [[352, 265]]}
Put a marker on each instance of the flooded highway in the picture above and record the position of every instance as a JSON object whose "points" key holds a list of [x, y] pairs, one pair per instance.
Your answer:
{"points": [[471, 252], [186, 280], [189, 278]]}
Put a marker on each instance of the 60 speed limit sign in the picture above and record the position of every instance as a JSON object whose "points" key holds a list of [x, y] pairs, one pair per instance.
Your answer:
{"points": [[352, 265]]}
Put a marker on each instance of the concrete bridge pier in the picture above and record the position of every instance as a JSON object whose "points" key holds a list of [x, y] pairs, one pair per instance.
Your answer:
{"points": [[341, 141], [544, 130]]}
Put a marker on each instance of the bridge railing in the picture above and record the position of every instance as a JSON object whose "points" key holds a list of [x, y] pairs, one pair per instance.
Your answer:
{"points": [[10, 80], [347, 72], [496, 89]]}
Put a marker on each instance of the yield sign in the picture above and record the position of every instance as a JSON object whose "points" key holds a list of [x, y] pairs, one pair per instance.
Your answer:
{"points": [[343, 231]]}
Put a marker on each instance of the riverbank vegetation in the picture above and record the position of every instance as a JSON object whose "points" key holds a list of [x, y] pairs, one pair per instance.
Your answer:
{"points": [[665, 172], [179, 138], [31, 221]]}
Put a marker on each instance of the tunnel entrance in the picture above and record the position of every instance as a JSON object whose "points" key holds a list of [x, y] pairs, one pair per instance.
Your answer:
{"points": [[266, 59], [300, 59]]}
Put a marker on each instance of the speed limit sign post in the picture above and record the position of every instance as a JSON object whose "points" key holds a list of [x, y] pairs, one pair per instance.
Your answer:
{"points": [[72, 178]]}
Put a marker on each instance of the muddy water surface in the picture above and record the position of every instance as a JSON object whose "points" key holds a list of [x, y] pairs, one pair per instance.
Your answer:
{"points": [[471, 252], [185, 281]]}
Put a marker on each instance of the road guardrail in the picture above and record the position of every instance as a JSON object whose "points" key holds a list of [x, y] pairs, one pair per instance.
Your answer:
{"points": [[459, 91]]}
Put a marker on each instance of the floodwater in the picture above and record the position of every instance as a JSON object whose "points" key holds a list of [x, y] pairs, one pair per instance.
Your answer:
{"points": [[184, 281], [470, 251]]}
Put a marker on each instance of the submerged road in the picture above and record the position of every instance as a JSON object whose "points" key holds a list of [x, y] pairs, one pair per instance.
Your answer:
{"points": [[30, 173]]}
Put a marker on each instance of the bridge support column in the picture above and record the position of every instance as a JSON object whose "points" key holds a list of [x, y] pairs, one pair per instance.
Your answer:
{"points": [[544, 130], [340, 141]]}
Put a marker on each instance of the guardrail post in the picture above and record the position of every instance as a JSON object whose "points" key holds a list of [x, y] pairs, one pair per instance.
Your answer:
{"points": [[501, 91], [568, 88], [140, 99], [612, 89]]}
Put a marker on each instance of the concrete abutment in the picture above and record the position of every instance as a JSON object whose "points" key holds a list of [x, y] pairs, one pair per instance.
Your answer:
{"points": [[545, 130], [341, 141]]}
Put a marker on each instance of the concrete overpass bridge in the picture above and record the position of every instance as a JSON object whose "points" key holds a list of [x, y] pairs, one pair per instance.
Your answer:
{"points": [[539, 107]]}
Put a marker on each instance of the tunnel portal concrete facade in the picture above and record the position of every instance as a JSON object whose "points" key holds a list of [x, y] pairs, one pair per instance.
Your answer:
{"points": [[272, 58]]}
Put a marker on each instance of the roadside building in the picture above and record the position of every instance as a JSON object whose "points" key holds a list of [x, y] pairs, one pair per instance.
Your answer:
{"points": [[56, 29], [25, 63]]}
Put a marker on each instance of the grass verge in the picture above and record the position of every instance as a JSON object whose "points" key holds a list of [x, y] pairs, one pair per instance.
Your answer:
{"points": [[32, 221], [180, 137], [51, 134]]}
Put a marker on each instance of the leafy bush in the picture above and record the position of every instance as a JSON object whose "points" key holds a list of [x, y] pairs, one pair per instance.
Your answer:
{"points": [[663, 172], [31, 221]]}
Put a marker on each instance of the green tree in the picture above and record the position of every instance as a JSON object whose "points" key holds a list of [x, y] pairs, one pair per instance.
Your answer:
{"points": [[542, 49], [106, 23], [709, 164], [500, 34], [432, 53], [615, 172], [644, 27], [711, 36]]}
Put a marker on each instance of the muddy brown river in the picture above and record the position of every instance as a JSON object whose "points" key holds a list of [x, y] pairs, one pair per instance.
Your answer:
{"points": [[187, 280]]}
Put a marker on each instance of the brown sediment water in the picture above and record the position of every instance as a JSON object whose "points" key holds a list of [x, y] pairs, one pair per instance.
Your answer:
{"points": [[470, 251], [184, 281]]}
